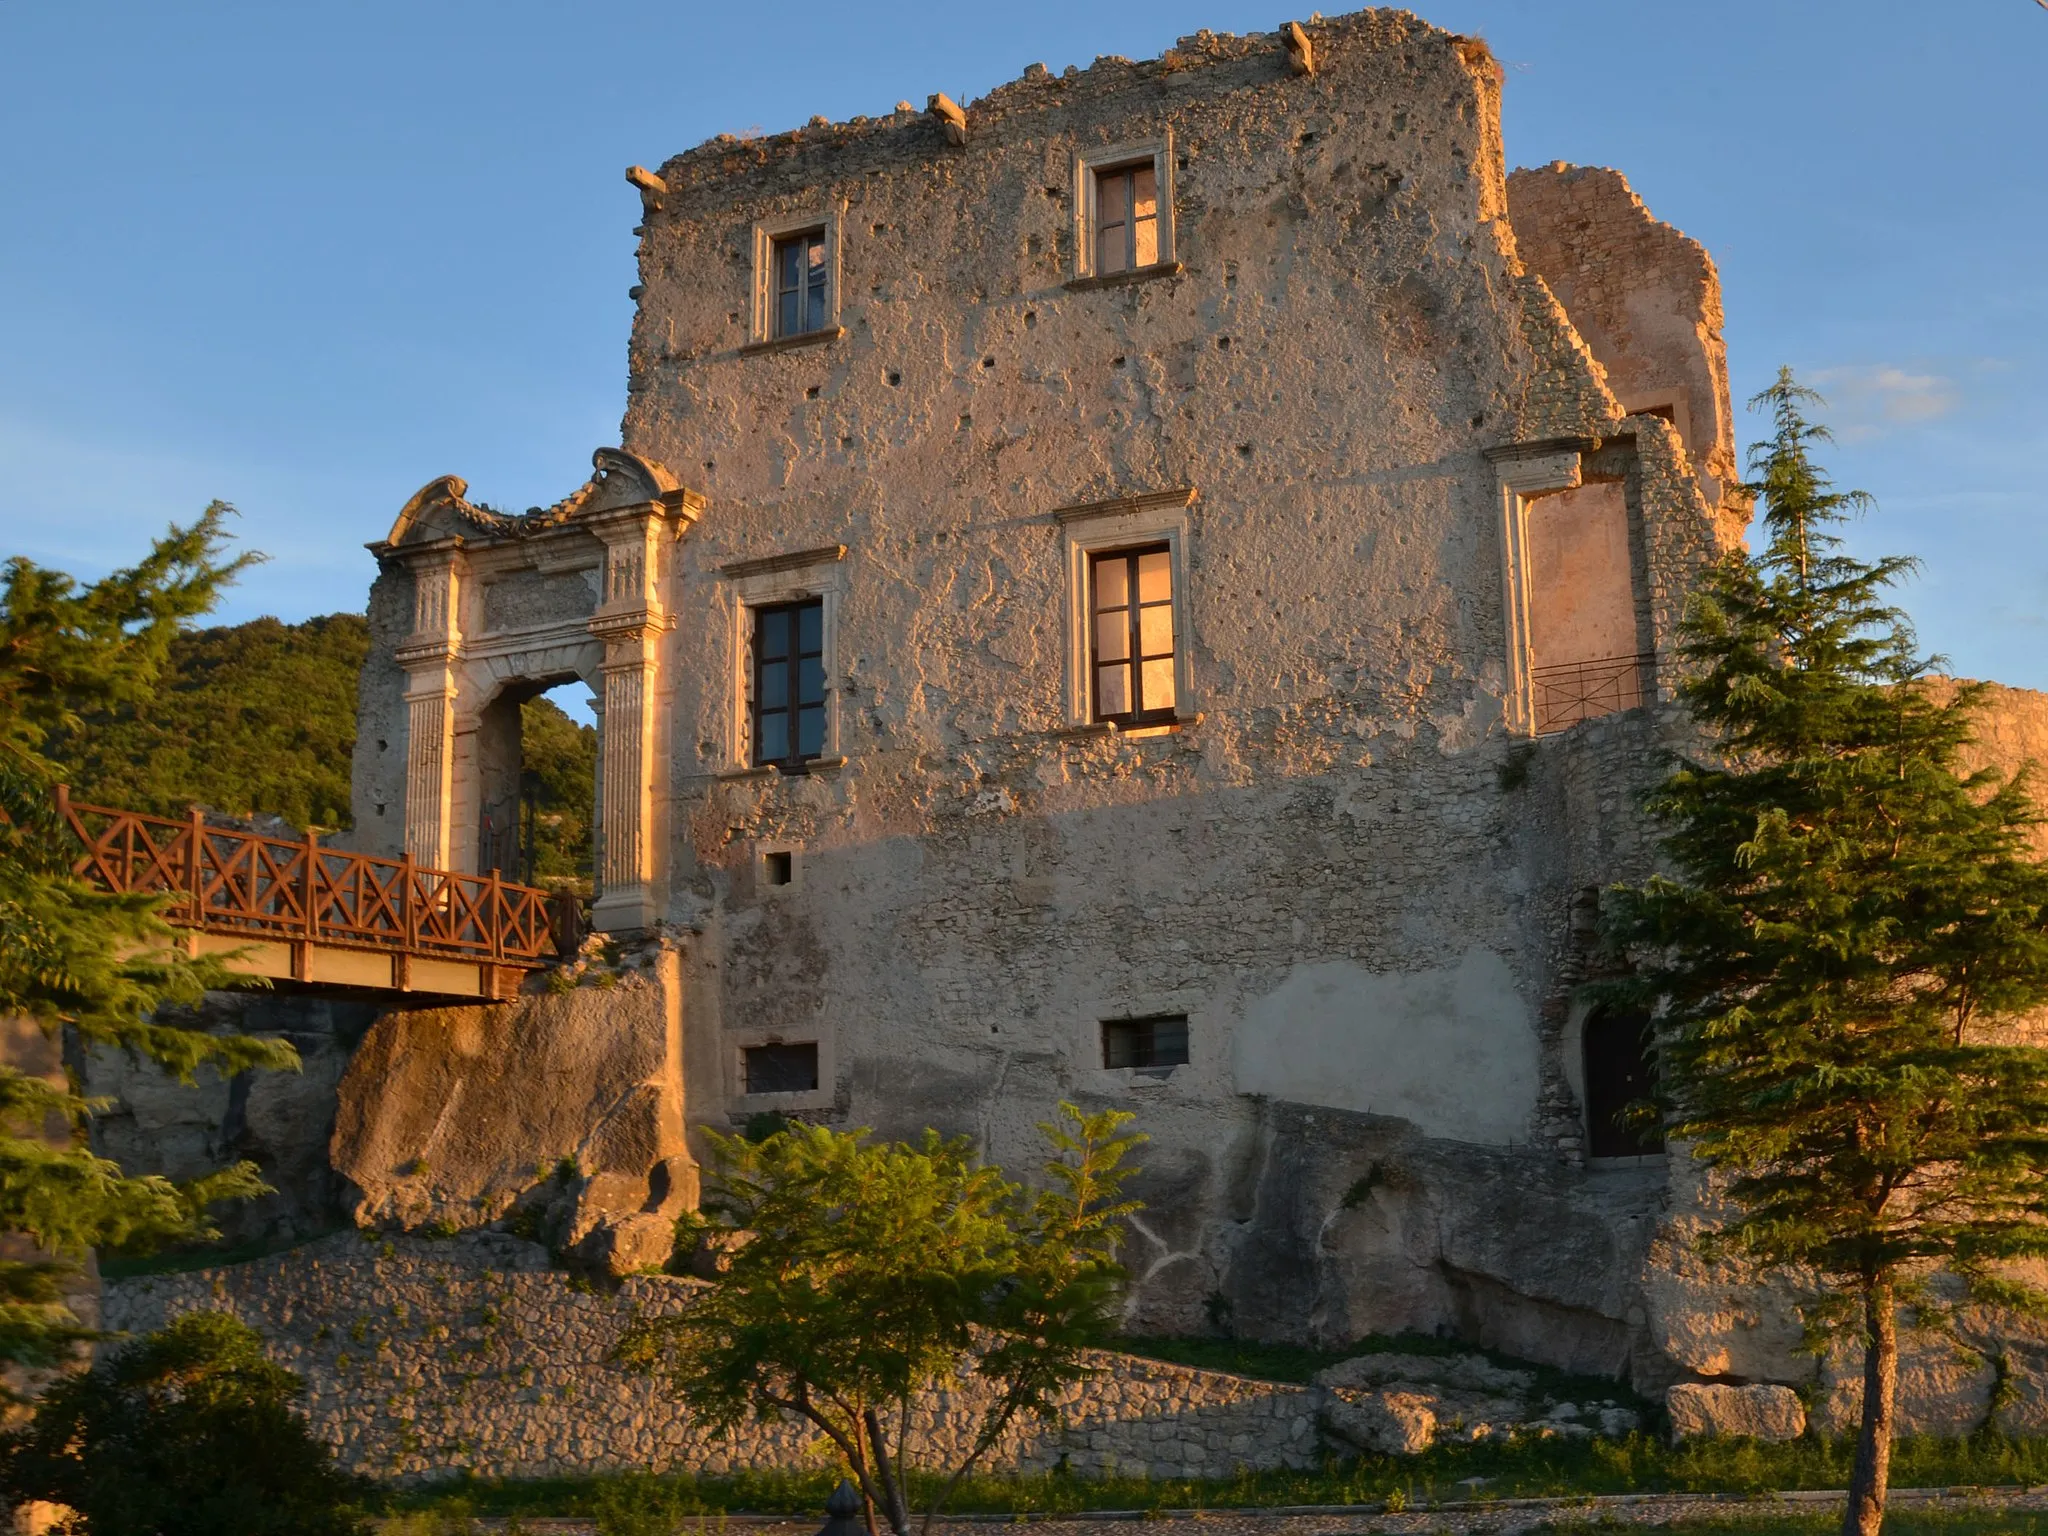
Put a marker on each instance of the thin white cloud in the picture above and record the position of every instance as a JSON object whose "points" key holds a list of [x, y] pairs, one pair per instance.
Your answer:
{"points": [[1865, 398]]}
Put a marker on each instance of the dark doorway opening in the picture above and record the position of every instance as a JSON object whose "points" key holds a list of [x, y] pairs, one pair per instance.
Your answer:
{"points": [[1621, 1075]]}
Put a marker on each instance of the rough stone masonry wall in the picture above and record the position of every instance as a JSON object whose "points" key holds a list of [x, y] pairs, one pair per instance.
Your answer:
{"points": [[1324, 866], [426, 1358], [1644, 296]]}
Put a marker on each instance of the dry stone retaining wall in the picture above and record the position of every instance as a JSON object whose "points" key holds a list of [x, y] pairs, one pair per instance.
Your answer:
{"points": [[423, 1357]]}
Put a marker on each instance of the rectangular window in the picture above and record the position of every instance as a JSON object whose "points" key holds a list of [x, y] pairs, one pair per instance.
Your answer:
{"points": [[1161, 1041], [789, 683], [1126, 217], [1130, 619], [800, 276], [781, 1068]]}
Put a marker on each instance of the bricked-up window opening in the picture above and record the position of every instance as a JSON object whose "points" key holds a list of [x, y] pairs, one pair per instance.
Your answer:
{"points": [[781, 867], [1161, 1041], [1130, 614], [789, 683], [800, 283], [1126, 217], [781, 1068], [1621, 1070]]}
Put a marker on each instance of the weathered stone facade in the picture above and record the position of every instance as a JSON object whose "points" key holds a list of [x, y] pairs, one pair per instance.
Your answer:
{"points": [[1434, 456]]}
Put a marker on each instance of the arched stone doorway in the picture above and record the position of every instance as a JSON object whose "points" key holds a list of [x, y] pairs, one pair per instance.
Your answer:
{"points": [[475, 610]]}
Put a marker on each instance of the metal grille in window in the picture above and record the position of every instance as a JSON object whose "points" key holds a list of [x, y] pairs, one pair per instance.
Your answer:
{"points": [[800, 283], [1161, 1041], [1580, 690], [789, 683], [1126, 217], [1130, 623], [781, 1068], [1621, 1078]]}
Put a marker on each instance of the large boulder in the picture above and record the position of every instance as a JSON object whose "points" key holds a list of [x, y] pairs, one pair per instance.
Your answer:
{"points": [[564, 1109], [1757, 1412], [1383, 1423]]}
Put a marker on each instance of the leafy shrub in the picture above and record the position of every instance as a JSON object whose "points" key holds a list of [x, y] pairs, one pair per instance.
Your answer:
{"points": [[187, 1432]]}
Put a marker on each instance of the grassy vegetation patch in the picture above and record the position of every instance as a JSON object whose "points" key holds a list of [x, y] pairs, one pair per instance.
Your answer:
{"points": [[1530, 1469], [1899, 1521]]}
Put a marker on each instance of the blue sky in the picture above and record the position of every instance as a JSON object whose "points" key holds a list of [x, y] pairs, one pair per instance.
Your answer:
{"points": [[306, 257]]}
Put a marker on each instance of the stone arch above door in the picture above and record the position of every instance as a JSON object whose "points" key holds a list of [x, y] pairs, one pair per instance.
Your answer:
{"points": [[498, 600]]}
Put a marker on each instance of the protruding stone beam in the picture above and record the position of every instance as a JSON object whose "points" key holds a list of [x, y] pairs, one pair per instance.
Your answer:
{"points": [[946, 113], [1301, 53]]}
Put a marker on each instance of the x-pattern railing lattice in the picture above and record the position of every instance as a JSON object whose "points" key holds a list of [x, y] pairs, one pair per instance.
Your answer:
{"points": [[229, 881]]}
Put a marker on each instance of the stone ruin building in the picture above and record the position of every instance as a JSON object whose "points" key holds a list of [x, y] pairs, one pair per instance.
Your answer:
{"points": [[1157, 588]]}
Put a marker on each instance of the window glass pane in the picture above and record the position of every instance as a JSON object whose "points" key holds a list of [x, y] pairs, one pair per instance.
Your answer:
{"points": [[1169, 1043], [1158, 684], [1112, 191], [1155, 630], [1109, 250], [810, 627], [774, 685], [1144, 192], [1155, 577], [1112, 582], [773, 745], [772, 634], [786, 314], [789, 257], [1113, 690], [1145, 241], [810, 730], [1113, 635], [810, 680], [814, 312]]}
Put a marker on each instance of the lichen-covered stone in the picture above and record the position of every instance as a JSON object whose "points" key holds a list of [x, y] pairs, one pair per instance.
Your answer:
{"points": [[1757, 1412]]}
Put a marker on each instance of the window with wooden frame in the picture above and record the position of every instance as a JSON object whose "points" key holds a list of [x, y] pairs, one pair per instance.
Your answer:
{"points": [[1130, 629], [801, 279], [1127, 217], [789, 684], [1160, 1041]]}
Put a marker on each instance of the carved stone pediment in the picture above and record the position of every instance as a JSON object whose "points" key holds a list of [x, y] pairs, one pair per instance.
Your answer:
{"points": [[441, 508]]}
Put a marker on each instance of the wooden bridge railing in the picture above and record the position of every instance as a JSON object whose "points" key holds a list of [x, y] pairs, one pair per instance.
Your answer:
{"points": [[243, 884]]}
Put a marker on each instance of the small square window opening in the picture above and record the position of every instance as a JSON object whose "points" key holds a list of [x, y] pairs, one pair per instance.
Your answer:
{"points": [[780, 1068], [1130, 626], [789, 684], [801, 280], [1161, 1041], [780, 867], [1126, 217]]}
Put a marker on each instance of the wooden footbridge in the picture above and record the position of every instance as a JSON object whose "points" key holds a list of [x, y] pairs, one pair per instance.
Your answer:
{"points": [[294, 911]]}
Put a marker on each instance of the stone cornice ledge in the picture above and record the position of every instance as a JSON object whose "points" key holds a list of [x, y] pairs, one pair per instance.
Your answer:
{"points": [[797, 560], [1121, 506], [830, 333]]}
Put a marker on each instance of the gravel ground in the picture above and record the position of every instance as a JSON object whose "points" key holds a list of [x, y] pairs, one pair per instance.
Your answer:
{"points": [[1500, 1517]]}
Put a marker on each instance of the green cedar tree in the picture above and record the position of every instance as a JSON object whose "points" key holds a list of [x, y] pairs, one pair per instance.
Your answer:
{"points": [[75, 958], [1850, 934]]}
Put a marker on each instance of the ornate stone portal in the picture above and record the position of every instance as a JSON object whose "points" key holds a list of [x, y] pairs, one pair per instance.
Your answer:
{"points": [[502, 608]]}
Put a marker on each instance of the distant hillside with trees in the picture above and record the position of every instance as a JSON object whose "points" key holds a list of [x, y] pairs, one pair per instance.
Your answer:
{"points": [[247, 719], [259, 719]]}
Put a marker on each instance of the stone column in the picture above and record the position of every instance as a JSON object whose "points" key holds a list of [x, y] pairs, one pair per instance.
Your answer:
{"points": [[429, 657], [630, 622]]}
